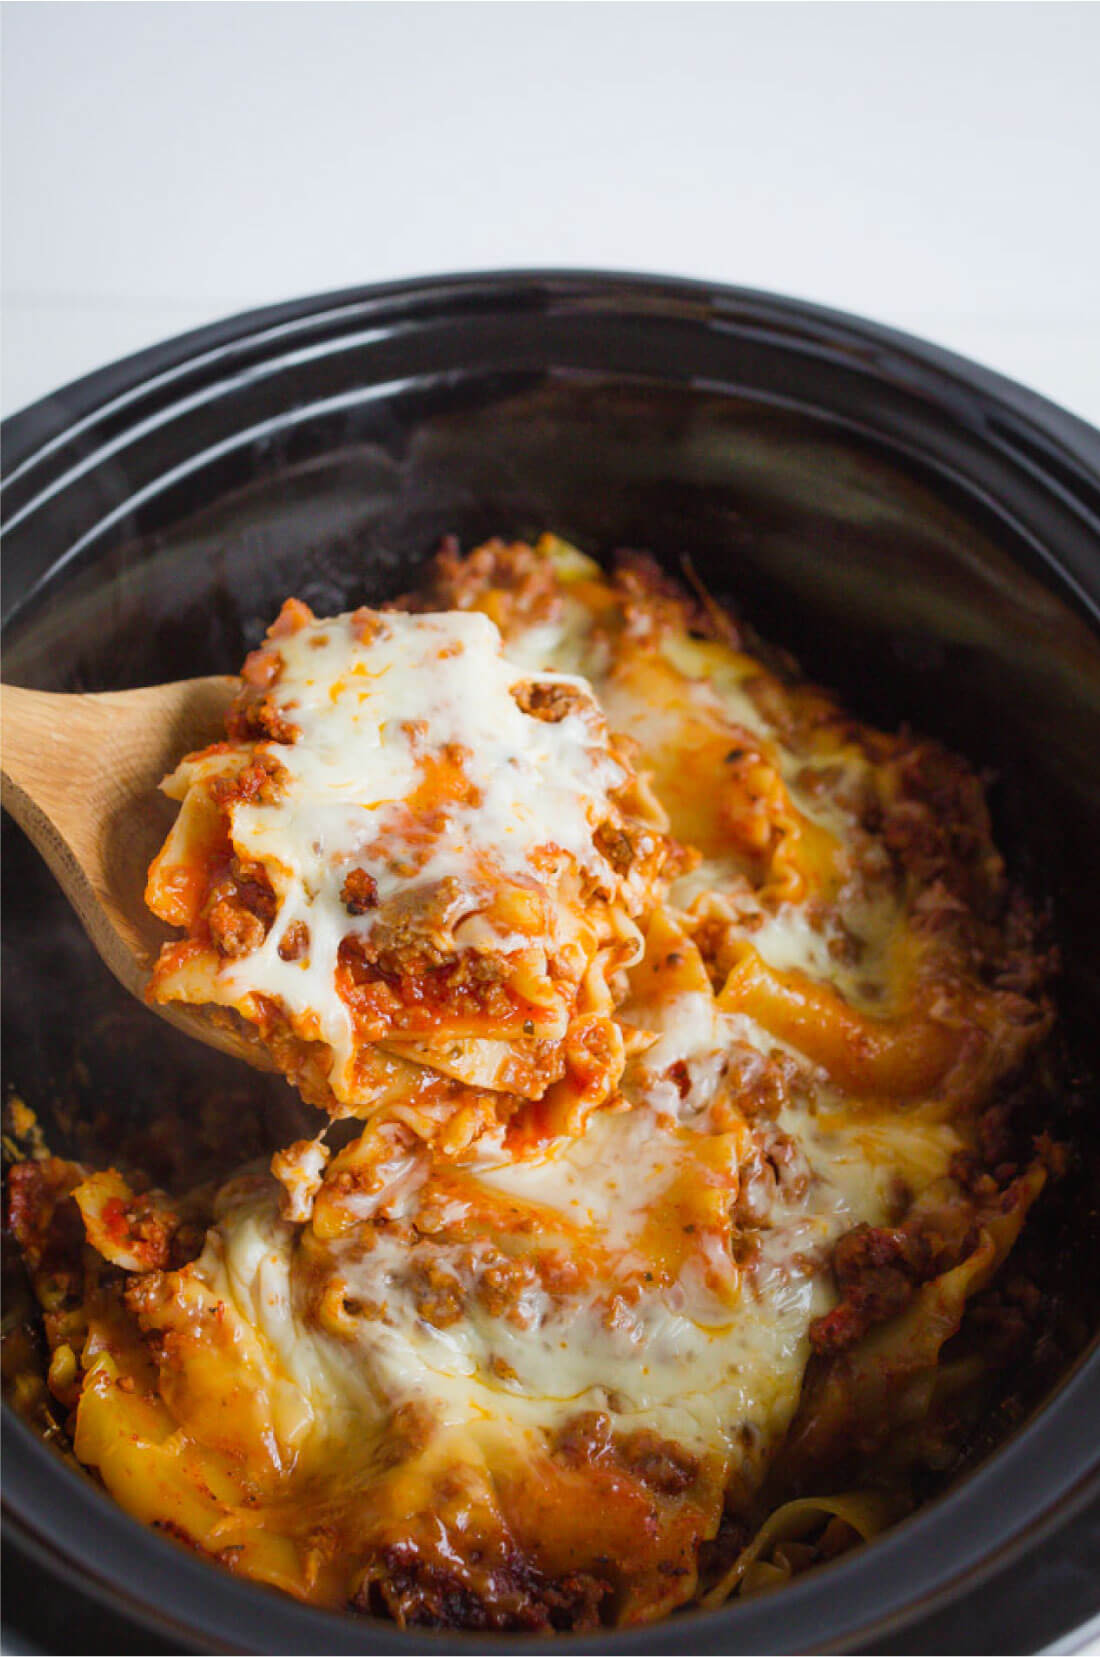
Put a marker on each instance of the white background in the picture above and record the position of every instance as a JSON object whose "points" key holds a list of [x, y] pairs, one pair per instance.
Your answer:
{"points": [[933, 166]]}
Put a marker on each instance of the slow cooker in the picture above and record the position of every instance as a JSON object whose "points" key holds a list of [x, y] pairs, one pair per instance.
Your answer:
{"points": [[922, 533]]}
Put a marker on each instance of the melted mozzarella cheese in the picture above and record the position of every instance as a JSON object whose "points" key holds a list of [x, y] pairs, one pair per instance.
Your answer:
{"points": [[682, 1359], [358, 707], [371, 718], [699, 1351], [787, 938]]}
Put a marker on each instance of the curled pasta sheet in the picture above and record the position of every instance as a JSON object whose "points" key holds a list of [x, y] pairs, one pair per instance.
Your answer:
{"points": [[762, 1565], [665, 1025]]}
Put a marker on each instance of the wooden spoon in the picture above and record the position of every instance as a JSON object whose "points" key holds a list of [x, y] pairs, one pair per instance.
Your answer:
{"points": [[80, 776]]}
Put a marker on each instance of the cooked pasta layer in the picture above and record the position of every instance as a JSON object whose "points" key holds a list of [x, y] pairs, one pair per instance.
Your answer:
{"points": [[410, 861], [683, 1018]]}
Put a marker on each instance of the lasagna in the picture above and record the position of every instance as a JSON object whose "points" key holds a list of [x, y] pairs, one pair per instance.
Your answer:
{"points": [[412, 869], [673, 1042]]}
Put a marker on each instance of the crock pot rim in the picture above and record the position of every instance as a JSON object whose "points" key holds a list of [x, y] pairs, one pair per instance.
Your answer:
{"points": [[57, 437], [46, 425], [29, 430]]}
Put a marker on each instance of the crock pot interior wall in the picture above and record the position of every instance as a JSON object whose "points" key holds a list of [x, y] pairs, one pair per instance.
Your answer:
{"points": [[892, 583], [889, 587]]}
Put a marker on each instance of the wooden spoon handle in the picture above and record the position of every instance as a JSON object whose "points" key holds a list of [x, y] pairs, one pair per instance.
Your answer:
{"points": [[80, 775], [72, 753]]}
